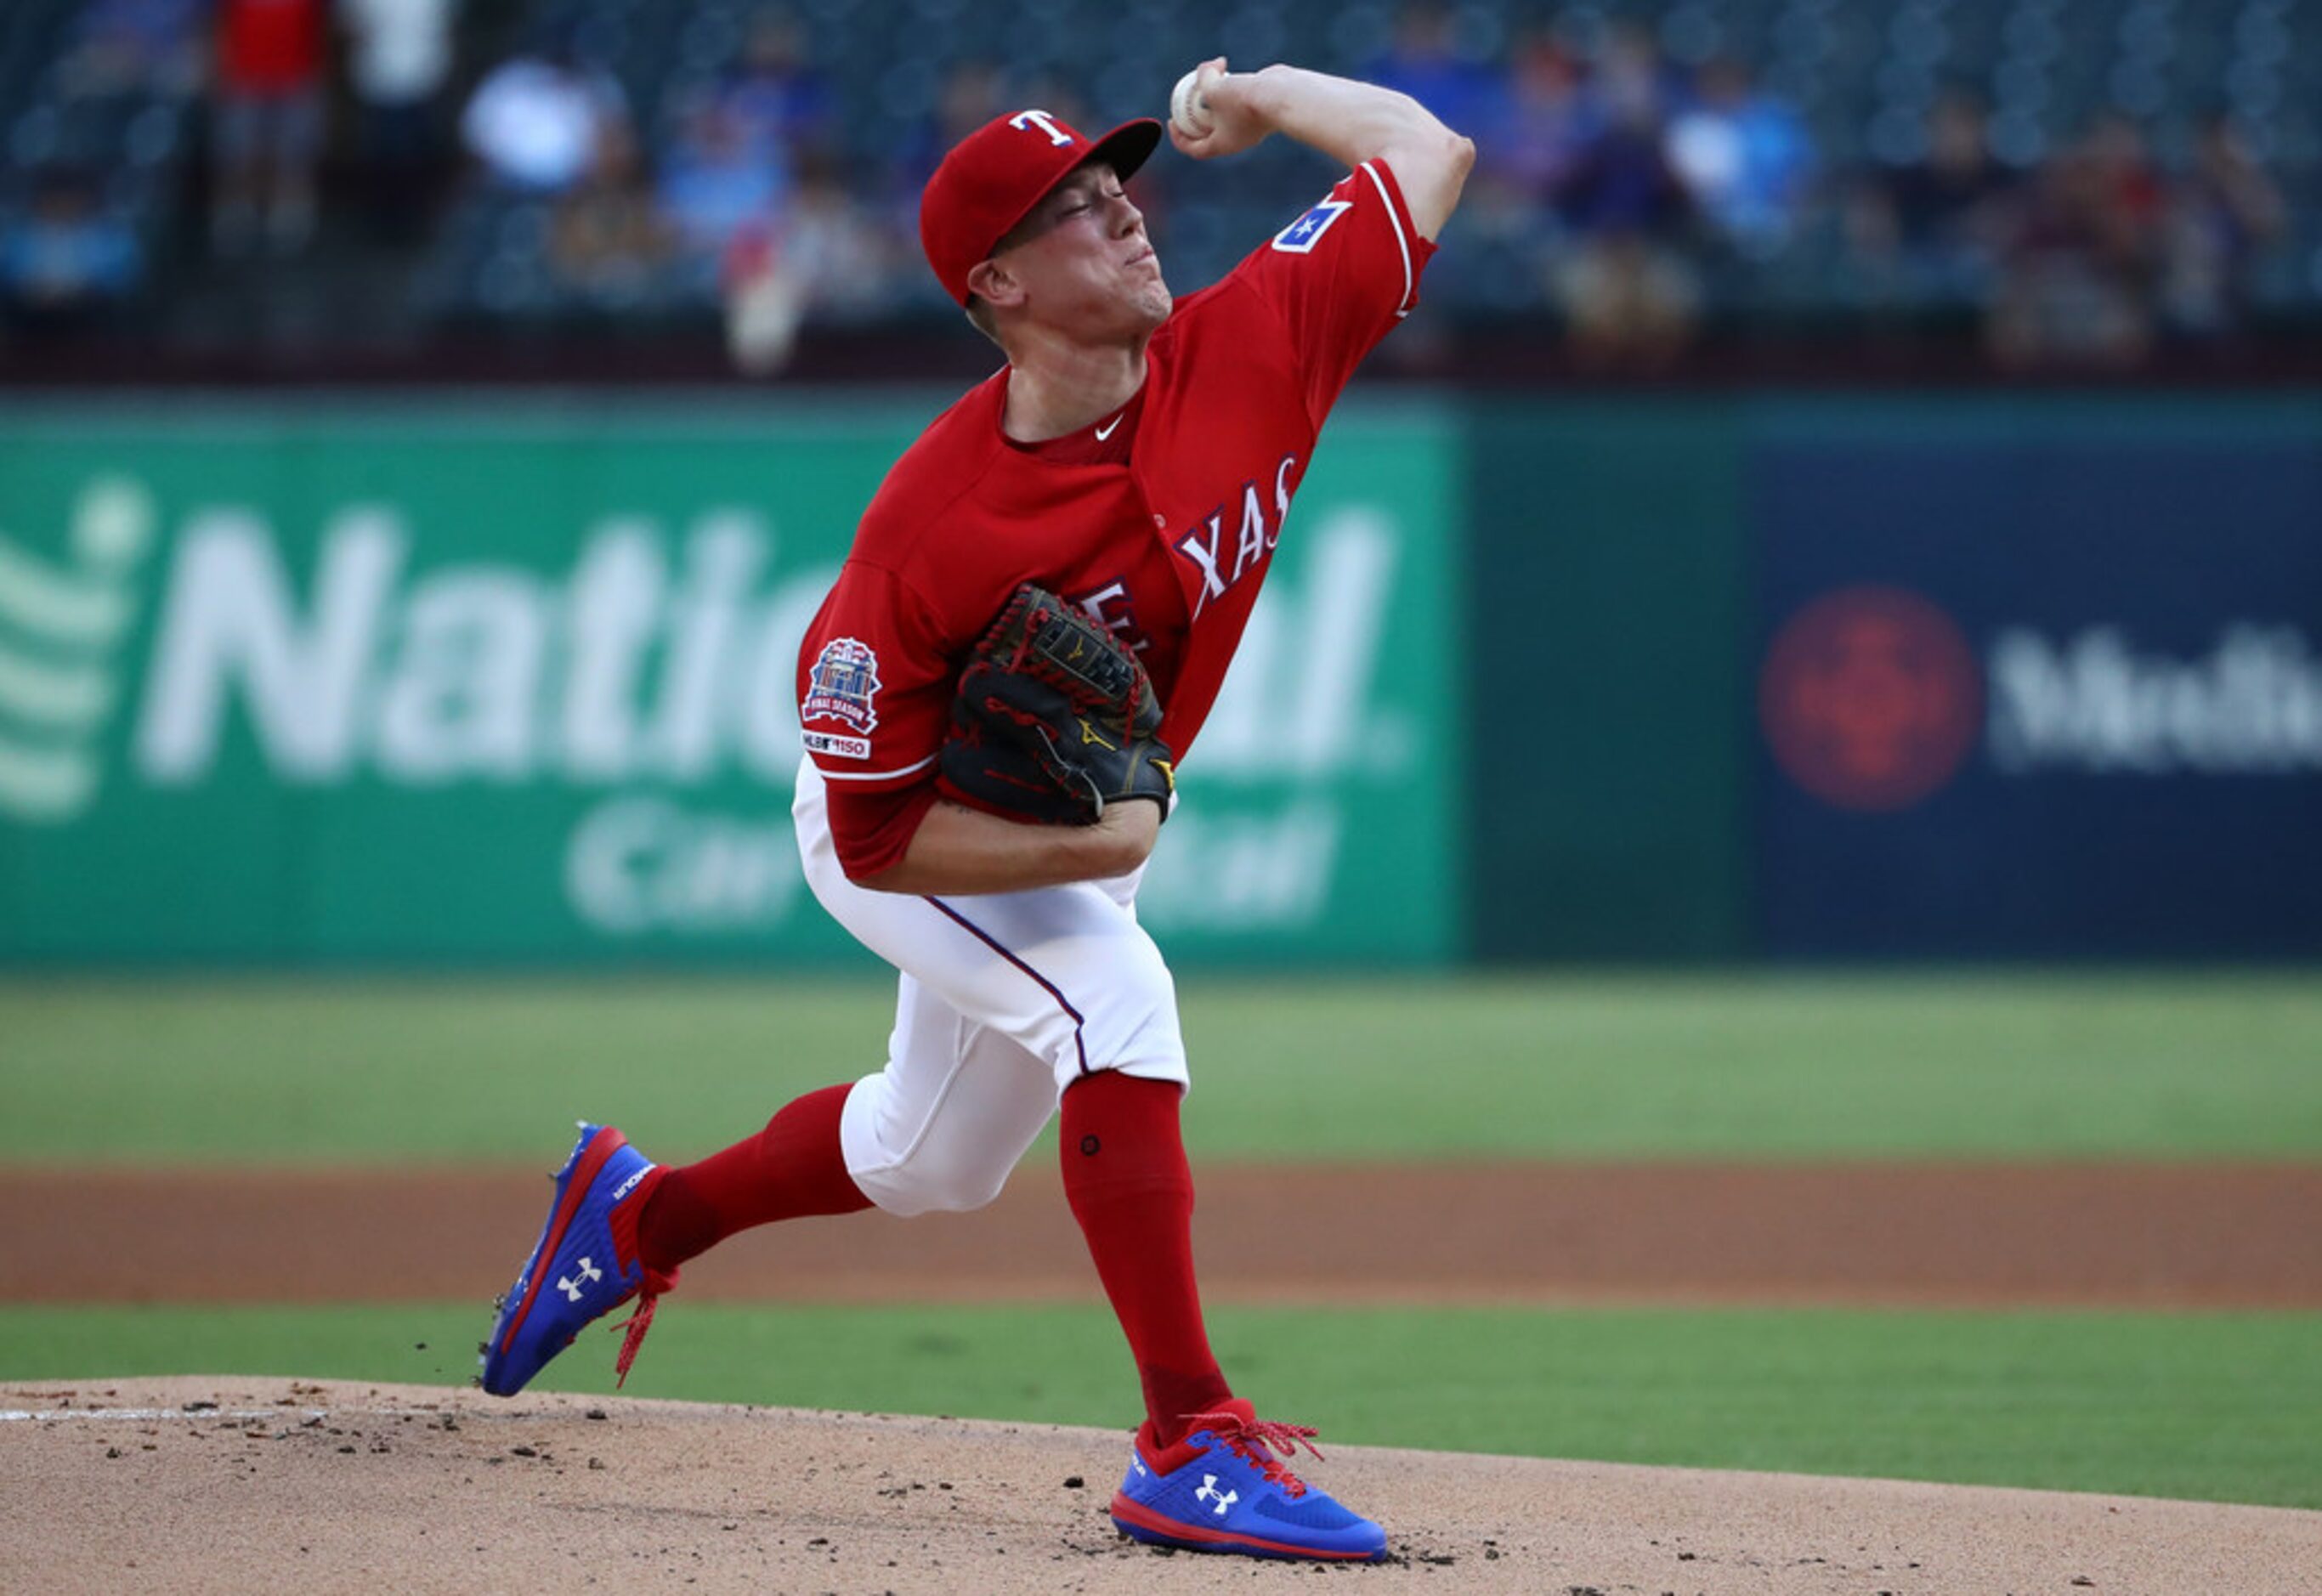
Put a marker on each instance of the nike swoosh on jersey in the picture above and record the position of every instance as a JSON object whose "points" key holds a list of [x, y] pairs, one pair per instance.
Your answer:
{"points": [[1106, 431]]}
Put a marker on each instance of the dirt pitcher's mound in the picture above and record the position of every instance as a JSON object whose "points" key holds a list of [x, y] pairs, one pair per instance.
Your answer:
{"points": [[240, 1484]]}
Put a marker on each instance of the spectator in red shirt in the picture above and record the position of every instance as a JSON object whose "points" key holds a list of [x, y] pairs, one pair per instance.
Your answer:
{"points": [[268, 126], [2084, 268]]}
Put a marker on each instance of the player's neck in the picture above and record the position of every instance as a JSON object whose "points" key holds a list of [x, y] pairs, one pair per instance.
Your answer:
{"points": [[1055, 390]]}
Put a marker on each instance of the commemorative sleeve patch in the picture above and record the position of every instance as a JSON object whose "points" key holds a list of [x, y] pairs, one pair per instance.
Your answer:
{"points": [[1301, 236], [841, 687]]}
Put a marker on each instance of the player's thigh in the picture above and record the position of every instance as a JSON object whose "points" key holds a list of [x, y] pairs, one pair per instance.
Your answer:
{"points": [[1066, 973]]}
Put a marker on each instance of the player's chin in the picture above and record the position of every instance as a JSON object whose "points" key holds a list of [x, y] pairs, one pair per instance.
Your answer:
{"points": [[1154, 301]]}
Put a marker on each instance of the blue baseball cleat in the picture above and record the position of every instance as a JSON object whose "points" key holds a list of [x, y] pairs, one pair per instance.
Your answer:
{"points": [[1222, 1488], [584, 1265]]}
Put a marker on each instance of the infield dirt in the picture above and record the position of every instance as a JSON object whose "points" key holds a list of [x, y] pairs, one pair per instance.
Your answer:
{"points": [[2126, 1235], [269, 1484]]}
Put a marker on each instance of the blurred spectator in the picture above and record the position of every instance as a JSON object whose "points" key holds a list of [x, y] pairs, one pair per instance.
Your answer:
{"points": [[828, 258], [1522, 165], [66, 263], [1426, 62], [1633, 81], [1744, 156], [126, 48], [2082, 267], [1630, 292], [972, 93], [267, 138], [1544, 121], [716, 180], [1932, 231], [400, 57], [542, 123], [775, 94], [2222, 216], [607, 240]]}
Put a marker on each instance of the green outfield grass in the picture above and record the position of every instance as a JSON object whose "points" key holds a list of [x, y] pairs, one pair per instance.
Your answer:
{"points": [[2135, 1064], [2217, 1406]]}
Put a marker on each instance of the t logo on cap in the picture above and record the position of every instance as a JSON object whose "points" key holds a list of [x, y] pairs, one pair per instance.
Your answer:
{"points": [[1056, 135]]}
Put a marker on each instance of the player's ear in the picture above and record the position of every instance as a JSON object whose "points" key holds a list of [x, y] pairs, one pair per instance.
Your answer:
{"points": [[994, 284]]}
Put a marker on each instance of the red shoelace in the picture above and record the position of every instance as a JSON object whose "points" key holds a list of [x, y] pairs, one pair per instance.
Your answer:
{"points": [[638, 1323], [1255, 1442]]}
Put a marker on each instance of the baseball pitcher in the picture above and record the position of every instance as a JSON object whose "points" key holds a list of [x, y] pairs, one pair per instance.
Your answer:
{"points": [[1032, 625]]}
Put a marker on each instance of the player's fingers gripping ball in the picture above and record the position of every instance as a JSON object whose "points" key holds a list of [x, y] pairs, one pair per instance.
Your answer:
{"points": [[1055, 718]]}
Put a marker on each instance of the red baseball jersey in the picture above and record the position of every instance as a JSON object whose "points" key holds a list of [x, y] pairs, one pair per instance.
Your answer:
{"points": [[1160, 521]]}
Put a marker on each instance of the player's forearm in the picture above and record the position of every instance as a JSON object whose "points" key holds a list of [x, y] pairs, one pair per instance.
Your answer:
{"points": [[1353, 122], [958, 852], [1350, 121]]}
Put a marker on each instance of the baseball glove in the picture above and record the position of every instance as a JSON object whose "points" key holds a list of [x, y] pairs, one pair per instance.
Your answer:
{"points": [[1055, 718]]}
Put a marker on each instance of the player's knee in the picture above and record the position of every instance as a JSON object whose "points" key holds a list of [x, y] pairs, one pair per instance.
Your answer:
{"points": [[928, 1184], [1140, 1034], [967, 1190]]}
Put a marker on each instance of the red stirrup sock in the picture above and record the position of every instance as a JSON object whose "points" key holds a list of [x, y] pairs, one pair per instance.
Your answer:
{"points": [[1126, 1180], [788, 1170]]}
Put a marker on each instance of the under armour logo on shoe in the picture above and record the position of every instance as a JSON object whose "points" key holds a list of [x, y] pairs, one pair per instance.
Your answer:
{"points": [[1209, 1490], [588, 1273]]}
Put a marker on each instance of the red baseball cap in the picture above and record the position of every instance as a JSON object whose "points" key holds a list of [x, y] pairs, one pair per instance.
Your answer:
{"points": [[993, 177]]}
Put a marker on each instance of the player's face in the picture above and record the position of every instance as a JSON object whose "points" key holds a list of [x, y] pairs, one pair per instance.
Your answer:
{"points": [[1084, 260]]}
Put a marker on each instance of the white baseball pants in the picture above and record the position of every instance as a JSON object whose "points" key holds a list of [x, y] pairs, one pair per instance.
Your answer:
{"points": [[1005, 1000]]}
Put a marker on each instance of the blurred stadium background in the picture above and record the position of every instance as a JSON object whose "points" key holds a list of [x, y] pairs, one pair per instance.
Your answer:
{"points": [[622, 189], [1847, 398], [1841, 540]]}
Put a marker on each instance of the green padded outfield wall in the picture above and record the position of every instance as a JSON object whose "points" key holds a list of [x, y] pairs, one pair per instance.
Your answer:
{"points": [[430, 685], [1609, 590]]}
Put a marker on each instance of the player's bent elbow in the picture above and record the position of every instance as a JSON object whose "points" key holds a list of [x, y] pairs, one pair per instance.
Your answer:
{"points": [[1432, 167], [1431, 154]]}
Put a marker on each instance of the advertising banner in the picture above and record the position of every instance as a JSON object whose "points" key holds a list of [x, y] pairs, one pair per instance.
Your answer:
{"points": [[391, 686], [2041, 684]]}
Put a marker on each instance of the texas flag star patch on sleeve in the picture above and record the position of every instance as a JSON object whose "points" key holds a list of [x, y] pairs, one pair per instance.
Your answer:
{"points": [[1301, 236]]}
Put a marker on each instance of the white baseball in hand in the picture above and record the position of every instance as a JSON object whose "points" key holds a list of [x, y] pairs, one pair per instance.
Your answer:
{"points": [[1187, 108]]}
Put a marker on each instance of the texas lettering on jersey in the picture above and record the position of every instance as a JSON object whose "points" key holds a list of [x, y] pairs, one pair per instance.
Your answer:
{"points": [[1205, 545], [1166, 538], [1220, 561]]}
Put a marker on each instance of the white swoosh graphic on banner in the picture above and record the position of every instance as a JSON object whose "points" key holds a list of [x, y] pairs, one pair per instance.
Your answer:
{"points": [[44, 785], [67, 697], [59, 607]]}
